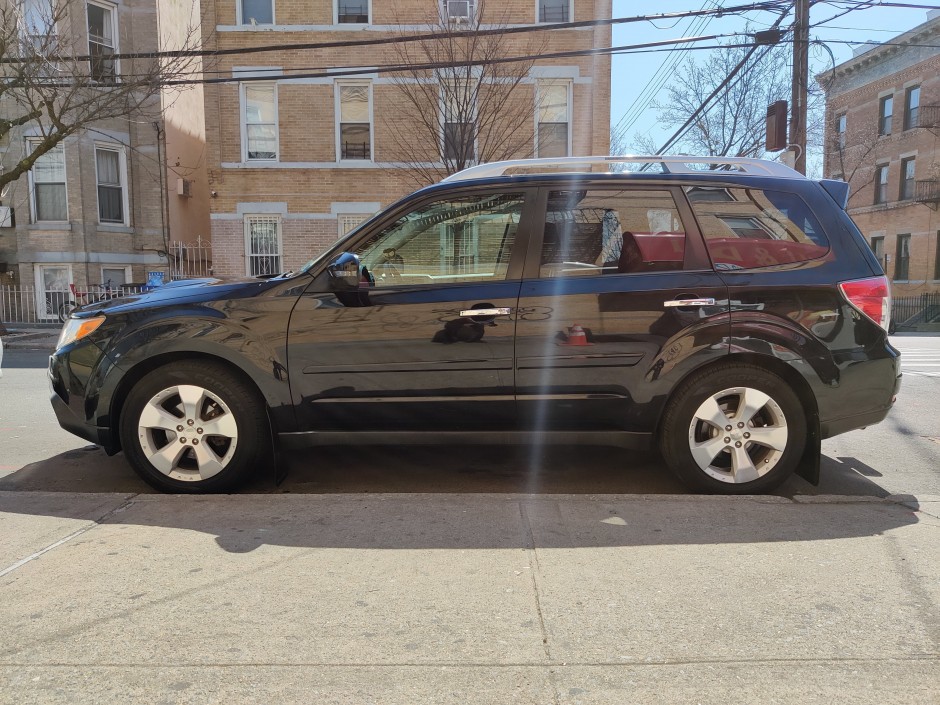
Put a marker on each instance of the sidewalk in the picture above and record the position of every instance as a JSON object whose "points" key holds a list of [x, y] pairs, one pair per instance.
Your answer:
{"points": [[459, 598], [22, 338]]}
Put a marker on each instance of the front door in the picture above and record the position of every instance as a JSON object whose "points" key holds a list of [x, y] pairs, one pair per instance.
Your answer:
{"points": [[618, 300], [407, 352]]}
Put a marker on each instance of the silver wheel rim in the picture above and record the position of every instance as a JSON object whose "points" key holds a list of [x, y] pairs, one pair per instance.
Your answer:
{"points": [[738, 435], [187, 433]]}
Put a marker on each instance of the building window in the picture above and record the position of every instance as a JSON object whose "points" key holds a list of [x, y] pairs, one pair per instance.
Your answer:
{"points": [[878, 247], [102, 41], [885, 109], [902, 258], [907, 178], [260, 116], [911, 107], [263, 244], [554, 10], [459, 11], [349, 222], [115, 277], [936, 257], [554, 112], [840, 131], [352, 11], [355, 121], [256, 12], [48, 194], [881, 183], [111, 181], [459, 106]]}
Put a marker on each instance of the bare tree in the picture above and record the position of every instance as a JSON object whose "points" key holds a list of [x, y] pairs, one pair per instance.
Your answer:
{"points": [[59, 74], [456, 103]]}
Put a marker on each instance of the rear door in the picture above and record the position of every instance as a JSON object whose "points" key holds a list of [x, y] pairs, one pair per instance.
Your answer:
{"points": [[618, 300]]}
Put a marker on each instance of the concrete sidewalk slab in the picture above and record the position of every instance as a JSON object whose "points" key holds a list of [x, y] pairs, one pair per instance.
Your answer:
{"points": [[473, 599]]}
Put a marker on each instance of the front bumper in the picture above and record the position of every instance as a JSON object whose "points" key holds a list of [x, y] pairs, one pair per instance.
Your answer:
{"points": [[75, 394]]}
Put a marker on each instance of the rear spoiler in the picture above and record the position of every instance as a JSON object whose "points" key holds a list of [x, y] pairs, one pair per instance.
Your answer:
{"points": [[838, 189]]}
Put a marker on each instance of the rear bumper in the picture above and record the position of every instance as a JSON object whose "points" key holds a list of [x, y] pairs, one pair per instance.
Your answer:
{"points": [[833, 427]]}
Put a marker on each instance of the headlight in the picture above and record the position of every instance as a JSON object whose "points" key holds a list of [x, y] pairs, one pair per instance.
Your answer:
{"points": [[77, 328]]}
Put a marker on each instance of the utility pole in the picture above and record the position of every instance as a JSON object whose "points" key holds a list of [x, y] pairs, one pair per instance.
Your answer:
{"points": [[800, 84]]}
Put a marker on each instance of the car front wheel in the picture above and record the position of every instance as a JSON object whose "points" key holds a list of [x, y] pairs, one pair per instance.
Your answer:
{"points": [[736, 429], [193, 427]]}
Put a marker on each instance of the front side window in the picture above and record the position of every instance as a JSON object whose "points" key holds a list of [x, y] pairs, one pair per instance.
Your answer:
{"points": [[48, 186], [256, 12], [907, 178], [902, 259], [110, 168], [355, 121], [885, 109], [881, 183], [352, 11], [554, 119], [554, 11], [102, 41], [260, 121], [911, 107], [611, 232], [461, 239], [263, 244], [753, 228]]}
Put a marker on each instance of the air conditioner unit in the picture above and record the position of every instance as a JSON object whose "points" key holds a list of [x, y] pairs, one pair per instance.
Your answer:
{"points": [[6, 217], [459, 10], [184, 188]]}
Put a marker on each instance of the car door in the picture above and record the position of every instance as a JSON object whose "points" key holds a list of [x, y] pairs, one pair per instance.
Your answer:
{"points": [[619, 300], [406, 351]]}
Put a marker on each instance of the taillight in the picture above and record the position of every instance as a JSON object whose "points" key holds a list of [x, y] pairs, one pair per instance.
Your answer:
{"points": [[870, 296]]}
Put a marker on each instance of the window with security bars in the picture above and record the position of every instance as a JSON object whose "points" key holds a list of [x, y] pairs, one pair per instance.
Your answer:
{"points": [[110, 185], [348, 223], [902, 258], [352, 11], [48, 186], [262, 233], [355, 125], [554, 119], [554, 11], [102, 41]]}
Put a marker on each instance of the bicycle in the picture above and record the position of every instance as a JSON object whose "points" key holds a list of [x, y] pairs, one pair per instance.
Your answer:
{"points": [[105, 293]]}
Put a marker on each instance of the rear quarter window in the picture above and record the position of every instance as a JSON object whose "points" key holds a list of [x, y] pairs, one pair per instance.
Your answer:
{"points": [[753, 228]]}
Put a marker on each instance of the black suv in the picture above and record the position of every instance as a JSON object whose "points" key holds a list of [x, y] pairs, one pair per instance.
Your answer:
{"points": [[726, 311]]}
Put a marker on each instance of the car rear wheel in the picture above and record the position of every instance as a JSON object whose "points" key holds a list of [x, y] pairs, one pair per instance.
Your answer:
{"points": [[735, 429], [194, 427]]}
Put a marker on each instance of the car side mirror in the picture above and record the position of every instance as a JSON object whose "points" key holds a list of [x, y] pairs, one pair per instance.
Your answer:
{"points": [[344, 272]]}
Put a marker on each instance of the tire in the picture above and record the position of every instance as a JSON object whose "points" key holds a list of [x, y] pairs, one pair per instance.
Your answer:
{"points": [[749, 454], [167, 422], [66, 309]]}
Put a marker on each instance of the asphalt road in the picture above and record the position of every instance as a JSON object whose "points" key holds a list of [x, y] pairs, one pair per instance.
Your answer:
{"points": [[899, 456]]}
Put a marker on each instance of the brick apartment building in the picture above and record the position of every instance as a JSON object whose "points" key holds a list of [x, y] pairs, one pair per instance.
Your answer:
{"points": [[883, 137], [292, 164], [90, 210]]}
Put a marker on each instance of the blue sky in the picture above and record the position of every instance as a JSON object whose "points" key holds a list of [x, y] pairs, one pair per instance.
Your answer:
{"points": [[631, 74]]}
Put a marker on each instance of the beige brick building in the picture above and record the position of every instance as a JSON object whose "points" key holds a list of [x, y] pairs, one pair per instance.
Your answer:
{"points": [[294, 163], [883, 137], [91, 210]]}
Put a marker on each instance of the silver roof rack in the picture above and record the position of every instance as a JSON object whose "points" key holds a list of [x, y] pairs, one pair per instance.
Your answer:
{"points": [[671, 164]]}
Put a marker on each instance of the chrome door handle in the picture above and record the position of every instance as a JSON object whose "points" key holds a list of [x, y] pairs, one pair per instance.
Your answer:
{"points": [[688, 302], [471, 312]]}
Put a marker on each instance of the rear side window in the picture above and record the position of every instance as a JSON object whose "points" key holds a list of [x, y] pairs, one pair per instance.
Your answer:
{"points": [[753, 228], [611, 232]]}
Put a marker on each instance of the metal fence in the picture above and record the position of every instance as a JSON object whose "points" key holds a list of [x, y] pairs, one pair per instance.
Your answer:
{"points": [[908, 312], [27, 305], [190, 259]]}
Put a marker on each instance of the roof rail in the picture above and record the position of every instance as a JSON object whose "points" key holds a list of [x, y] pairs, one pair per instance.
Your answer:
{"points": [[671, 164]]}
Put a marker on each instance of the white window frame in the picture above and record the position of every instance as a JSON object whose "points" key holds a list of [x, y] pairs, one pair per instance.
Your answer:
{"points": [[240, 20], [570, 12], [128, 274], [243, 121], [122, 168], [442, 105], [538, 101], [41, 289], [33, 213], [113, 9], [338, 118], [279, 220], [350, 24], [471, 17]]}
